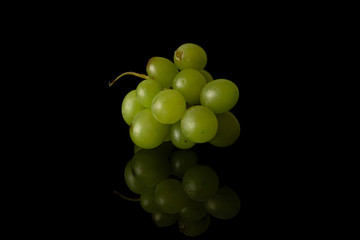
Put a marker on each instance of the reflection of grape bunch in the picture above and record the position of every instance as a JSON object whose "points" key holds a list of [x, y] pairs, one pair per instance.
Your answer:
{"points": [[180, 101], [173, 187]]}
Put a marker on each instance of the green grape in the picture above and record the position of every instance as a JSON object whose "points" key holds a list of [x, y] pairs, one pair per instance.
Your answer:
{"points": [[161, 70], [133, 184], [189, 83], [181, 161], [224, 204], [190, 55], [178, 138], [146, 91], [150, 167], [130, 106], [169, 196], [207, 75], [200, 182], [193, 211], [146, 131], [199, 124], [228, 130], [147, 201], [164, 219], [168, 106], [194, 228], [219, 95]]}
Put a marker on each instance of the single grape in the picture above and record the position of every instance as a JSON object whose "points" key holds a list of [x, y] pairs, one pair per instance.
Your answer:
{"points": [[207, 75], [178, 138], [130, 106], [200, 182], [224, 204], [168, 106], [219, 95], [193, 211], [164, 219], [147, 200], [189, 83], [161, 70], [199, 124], [194, 228], [169, 196], [181, 161], [133, 184], [190, 55], [146, 91], [146, 131], [228, 130], [150, 167]]}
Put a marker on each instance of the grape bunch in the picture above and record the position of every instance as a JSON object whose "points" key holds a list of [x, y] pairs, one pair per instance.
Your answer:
{"points": [[175, 188], [180, 102]]}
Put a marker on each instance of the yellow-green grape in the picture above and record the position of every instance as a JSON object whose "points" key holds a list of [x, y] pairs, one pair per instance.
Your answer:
{"points": [[190, 55], [146, 131], [168, 106], [130, 106], [150, 167], [199, 124], [219, 95], [194, 228], [224, 204], [189, 83], [162, 70], [169, 196], [164, 219], [178, 138], [228, 130], [146, 91]]}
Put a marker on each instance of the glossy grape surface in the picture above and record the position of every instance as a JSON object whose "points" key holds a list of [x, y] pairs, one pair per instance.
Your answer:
{"points": [[146, 132], [189, 83], [130, 106], [146, 91], [219, 95], [190, 55], [161, 70], [168, 106], [199, 124]]}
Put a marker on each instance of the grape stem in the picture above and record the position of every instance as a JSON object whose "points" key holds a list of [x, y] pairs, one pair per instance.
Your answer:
{"points": [[129, 73], [126, 198]]}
